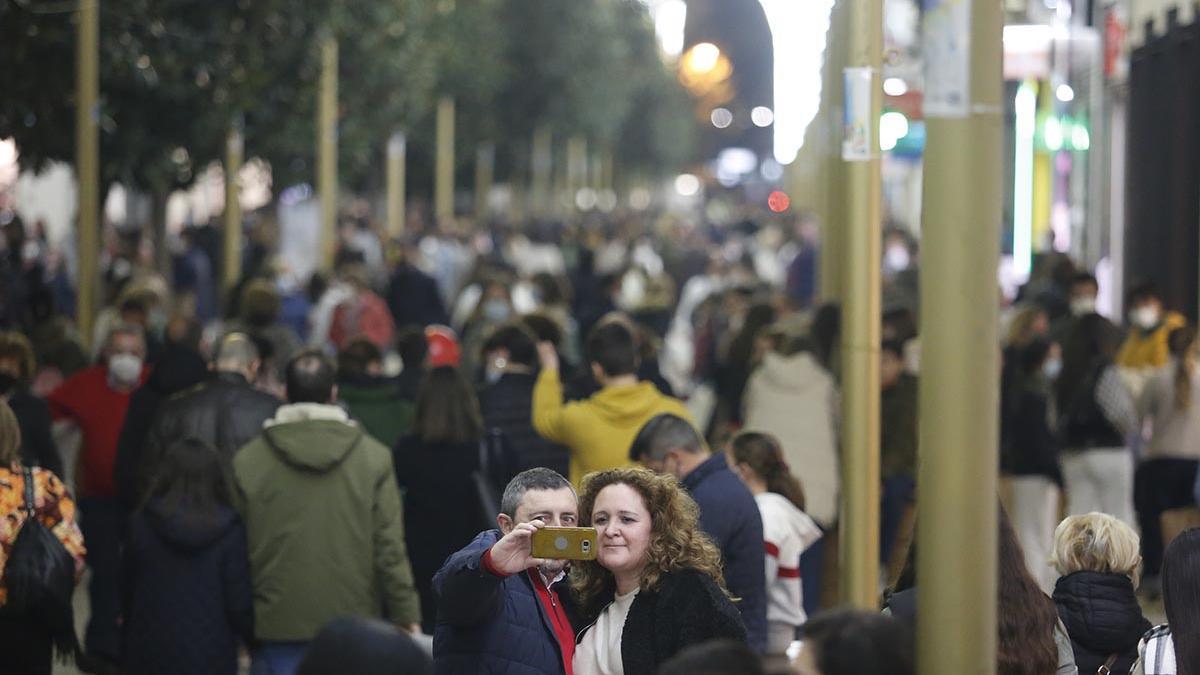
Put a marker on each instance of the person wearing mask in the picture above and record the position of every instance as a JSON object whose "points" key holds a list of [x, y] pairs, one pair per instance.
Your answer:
{"points": [[180, 368], [1081, 301], [787, 531], [655, 574], [440, 458], [226, 411], [510, 362], [16, 372], [1145, 348], [599, 429], [1029, 455], [1097, 558], [793, 397], [493, 310], [324, 522], [364, 647], [1166, 477], [28, 643], [1031, 640], [96, 400], [187, 602], [1173, 648], [1097, 416], [729, 515], [373, 399], [850, 642], [499, 608]]}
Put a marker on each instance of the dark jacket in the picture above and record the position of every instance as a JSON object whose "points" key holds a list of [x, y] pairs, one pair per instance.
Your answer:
{"points": [[507, 405], [1028, 446], [487, 624], [898, 428], [1102, 617], [180, 369], [379, 406], [441, 507], [187, 595], [37, 443], [729, 514], [686, 608], [414, 298], [1083, 421], [225, 411]]}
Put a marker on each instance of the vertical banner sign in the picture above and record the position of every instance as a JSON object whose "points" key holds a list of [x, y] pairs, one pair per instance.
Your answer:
{"points": [[947, 31], [856, 115]]}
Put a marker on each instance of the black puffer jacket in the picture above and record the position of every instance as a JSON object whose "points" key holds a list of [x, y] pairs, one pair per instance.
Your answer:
{"points": [[686, 608], [225, 411], [507, 405], [1102, 617], [187, 595]]}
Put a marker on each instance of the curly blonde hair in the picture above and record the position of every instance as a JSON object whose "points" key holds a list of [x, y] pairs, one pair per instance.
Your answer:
{"points": [[676, 541]]}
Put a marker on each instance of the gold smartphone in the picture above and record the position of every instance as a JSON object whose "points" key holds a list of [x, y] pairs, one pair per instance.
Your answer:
{"points": [[565, 543]]}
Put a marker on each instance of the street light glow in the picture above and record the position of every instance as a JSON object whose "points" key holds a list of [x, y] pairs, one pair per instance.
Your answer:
{"points": [[1064, 93], [721, 118], [798, 32], [894, 86], [687, 185], [762, 116], [703, 57]]}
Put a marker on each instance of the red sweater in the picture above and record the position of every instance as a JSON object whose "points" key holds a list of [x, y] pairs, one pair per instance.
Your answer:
{"points": [[99, 410], [554, 609]]}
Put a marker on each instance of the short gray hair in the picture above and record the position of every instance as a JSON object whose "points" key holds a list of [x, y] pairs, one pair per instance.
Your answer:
{"points": [[662, 434], [539, 478], [236, 350]]}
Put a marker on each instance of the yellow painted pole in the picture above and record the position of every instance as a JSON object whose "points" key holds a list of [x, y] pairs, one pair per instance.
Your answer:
{"points": [[397, 152], [957, 483], [232, 265], [327, 149], [87, 161], [577, 161], [485, 168], [443, 190], [831, 169], [860, 335]]}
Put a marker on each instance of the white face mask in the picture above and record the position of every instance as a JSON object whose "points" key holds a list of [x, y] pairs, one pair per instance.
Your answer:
{"points": [[1083, 306], [1051, 368], [896, 259], [1145, 317], [124, 369]]}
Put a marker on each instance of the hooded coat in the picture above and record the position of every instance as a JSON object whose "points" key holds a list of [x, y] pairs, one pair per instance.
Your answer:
{"points": [[795, 399], [599, 430], [324, 525], [187, 599], [1102, 616], [787, 533]]}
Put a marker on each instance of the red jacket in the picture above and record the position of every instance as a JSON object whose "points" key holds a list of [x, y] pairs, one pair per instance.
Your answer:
{"points": [[99, 410], [366, 315]]}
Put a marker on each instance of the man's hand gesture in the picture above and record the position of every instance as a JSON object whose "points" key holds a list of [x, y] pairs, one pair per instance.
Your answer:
{"points": [[514, 552]]}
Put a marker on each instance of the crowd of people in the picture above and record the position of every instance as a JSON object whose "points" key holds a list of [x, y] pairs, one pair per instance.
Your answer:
{"points": [[351, 469]]}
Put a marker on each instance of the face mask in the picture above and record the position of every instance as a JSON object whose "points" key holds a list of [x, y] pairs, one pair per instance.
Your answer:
{"points": [[896, 259], [496, 311], [1083, 306], [492, 375], [1051, 368], [8, 382], [124, 369], [1144, 317]]}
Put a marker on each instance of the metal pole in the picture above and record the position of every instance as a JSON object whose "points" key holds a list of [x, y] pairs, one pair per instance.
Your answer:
{"points": [[831, 168], [87, 161], [485, 167], [577, 161], [327, 149], [957, 483], [443, 191], [397, 151], [541, 161], [860, 336], [232, 266]]}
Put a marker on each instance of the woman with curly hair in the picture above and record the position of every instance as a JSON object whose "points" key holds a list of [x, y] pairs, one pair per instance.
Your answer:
{"points": [[656, 576]]}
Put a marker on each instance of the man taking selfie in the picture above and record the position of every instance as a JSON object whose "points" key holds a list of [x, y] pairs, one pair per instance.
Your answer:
{"points": [[499, 608]]}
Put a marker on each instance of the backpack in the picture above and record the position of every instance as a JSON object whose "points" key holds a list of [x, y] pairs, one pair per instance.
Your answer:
{"points": [[40, 577]]}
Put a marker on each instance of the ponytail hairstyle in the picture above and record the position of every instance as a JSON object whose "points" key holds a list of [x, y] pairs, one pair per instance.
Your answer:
{"points": [[761, 452], [1182, 343]]}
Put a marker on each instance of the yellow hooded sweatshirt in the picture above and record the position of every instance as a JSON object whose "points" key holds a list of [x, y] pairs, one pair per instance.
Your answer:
{"points": [[1144, 350], [599, 430]]}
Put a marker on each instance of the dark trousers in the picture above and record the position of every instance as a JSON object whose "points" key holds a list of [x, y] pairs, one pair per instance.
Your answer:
{"points": [[103, 524], [25, 645], [897, 493], [1160, 485]]}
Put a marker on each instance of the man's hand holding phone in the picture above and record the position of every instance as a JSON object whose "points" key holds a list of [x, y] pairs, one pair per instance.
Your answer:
{"points": [[514, 552]]}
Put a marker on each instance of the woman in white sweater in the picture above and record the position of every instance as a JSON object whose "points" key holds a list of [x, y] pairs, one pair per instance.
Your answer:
{"points": [[757, 459]]}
